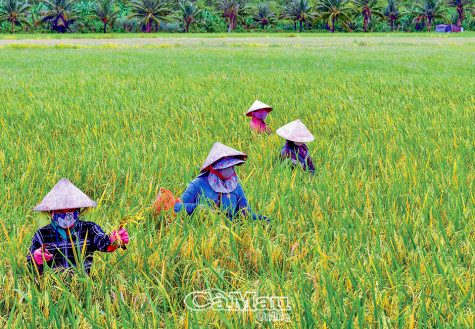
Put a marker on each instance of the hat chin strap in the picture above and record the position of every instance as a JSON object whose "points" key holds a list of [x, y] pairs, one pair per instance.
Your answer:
{"points": [[218, 174]]}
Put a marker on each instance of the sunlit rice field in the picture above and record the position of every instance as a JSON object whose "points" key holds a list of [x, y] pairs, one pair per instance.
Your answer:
{"points": [[381, 237]]}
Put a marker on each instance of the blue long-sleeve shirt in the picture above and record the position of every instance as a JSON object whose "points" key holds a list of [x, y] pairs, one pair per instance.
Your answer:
{"points": [[200, 192]]}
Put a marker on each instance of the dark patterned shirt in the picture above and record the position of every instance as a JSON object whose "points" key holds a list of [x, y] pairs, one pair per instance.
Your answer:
{"points": [[62, 251], [298, 154]]}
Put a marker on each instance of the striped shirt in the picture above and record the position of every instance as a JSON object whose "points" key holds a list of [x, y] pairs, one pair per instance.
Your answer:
{"points": [[86, 233]]}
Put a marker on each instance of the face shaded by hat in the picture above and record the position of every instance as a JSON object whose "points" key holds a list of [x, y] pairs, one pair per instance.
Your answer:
{"points": [[65, 195], [256, 106], [295, 131], [227, 162], [220, 151]]}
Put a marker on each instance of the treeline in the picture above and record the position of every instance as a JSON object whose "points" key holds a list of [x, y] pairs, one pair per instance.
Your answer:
{"points": [[84, 16]]}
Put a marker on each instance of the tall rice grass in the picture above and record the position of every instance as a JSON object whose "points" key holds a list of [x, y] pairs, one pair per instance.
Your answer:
{"points": [[382, 236]]}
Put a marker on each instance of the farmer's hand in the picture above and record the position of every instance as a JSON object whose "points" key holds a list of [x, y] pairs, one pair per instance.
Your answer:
{"points": [[118, 238], [121, 237], [39, 256]]}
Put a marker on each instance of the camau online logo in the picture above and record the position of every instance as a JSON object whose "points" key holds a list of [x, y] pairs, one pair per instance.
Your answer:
{"points": [[268, 308]]}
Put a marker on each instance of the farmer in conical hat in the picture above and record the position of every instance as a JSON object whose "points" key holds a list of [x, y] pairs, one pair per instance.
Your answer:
{"points": [[258, 112], [295, 149], [57, 243], [218, 185]]}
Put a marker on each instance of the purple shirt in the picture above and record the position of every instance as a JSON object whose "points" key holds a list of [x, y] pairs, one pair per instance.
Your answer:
{"points": [[293, 151]]}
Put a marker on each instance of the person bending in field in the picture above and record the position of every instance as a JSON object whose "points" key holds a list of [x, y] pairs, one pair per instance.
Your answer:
{"points": [[218, 186], [58, 243], [258, 112], [295, 150]]}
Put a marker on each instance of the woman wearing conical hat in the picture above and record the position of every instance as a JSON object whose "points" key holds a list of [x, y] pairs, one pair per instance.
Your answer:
{"points": [[296, 135], [57, 243], [258, 112], [218, 185]]}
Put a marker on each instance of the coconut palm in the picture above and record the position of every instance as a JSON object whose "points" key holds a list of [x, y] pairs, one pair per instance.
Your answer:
{"points": [[429, 10], [60, 14], [290, 12], [367, 9], [106, 12], [391, 12], [299, 11], [149, 11], [264, 16], [189, 14], [305, 13], [334, 10], [14, 12], [462, 6], [232, 11]]}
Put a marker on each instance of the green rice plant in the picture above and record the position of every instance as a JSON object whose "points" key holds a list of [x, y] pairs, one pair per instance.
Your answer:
{"points": [[382, 236]]}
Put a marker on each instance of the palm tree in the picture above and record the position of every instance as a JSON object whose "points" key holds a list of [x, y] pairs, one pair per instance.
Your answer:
{"points": [[429, 10], [232, 11], [15, 12], [189, 14], [368, 9], [462, 7], [334, 10], [299, 11], [148, 12], [105, 11], [391, 12], [291, 12], [264, 16], [305, 14], [60, 14]]}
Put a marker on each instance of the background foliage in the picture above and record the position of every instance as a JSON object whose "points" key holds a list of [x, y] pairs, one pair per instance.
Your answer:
{"points": [[282, 15]]}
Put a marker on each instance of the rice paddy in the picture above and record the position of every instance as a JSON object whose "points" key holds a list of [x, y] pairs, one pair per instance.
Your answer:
{"points": [[381, 237]]}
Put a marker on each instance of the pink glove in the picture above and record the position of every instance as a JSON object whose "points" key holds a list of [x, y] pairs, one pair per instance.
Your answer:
{"points": [[120, 235], [38, 256]]}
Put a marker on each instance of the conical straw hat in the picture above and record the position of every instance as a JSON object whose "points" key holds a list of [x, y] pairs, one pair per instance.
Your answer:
{"points": [[295, 131], [258, 105], [65, 195], [219, 151]]}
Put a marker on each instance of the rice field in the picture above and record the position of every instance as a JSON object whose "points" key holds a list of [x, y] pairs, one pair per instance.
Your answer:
{"points": [[381, 237]]}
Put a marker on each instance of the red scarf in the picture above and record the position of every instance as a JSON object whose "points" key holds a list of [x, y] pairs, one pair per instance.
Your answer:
{"points": [[219, 174]]}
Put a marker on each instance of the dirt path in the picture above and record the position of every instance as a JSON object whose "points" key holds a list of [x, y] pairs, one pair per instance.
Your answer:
{"points": [[250, 42]]}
